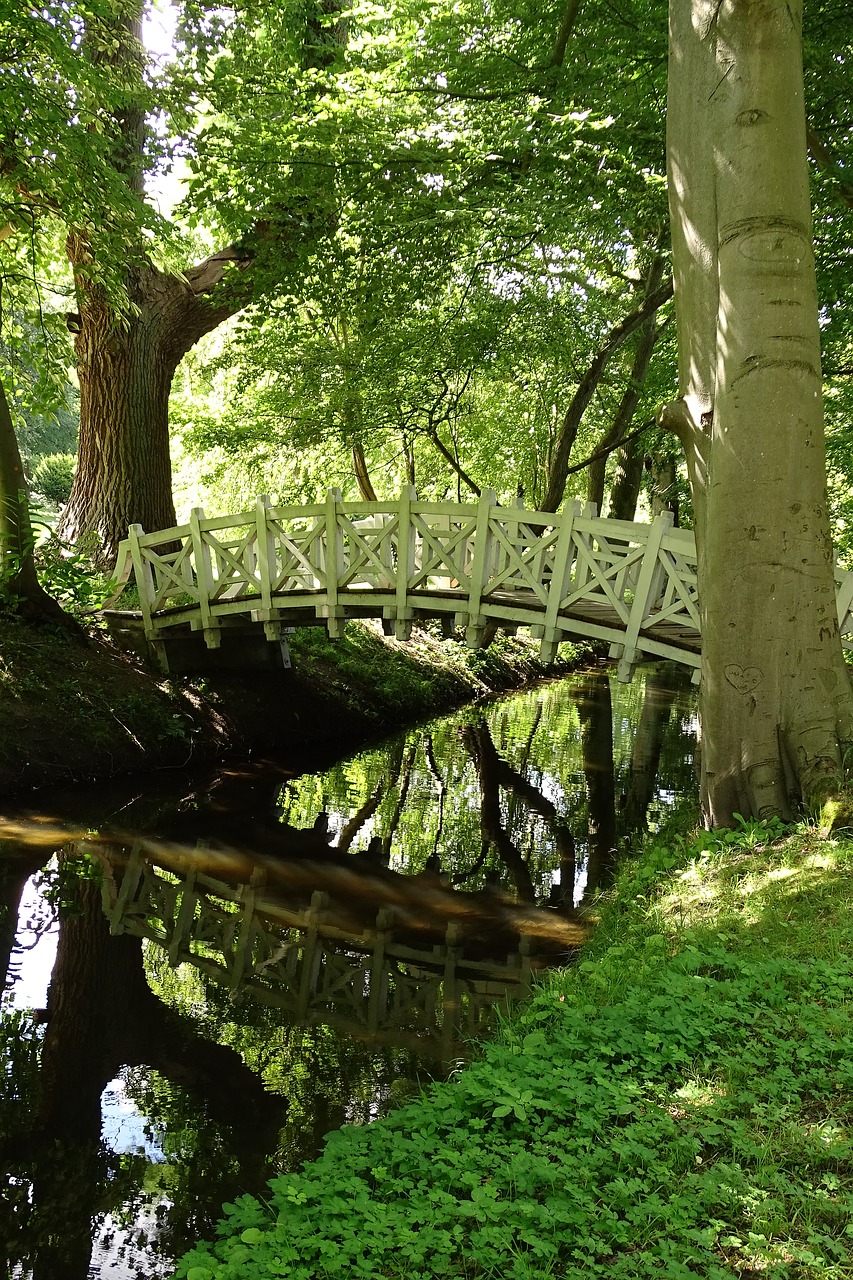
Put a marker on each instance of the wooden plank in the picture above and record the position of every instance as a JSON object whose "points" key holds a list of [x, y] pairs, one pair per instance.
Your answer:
{"points": [[646, 592], [333, 542], [560, 573], [144, 579]]}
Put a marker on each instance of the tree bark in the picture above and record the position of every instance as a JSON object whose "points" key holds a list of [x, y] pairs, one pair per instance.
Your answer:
{"points": [[776, 703], [362, 474], [627, 479], [127, 355], [125, 369]]}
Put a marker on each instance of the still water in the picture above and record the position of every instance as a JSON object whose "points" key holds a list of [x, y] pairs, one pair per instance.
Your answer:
{"points": [[204, 975]]}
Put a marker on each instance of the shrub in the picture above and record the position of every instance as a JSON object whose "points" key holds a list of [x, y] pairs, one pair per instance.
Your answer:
{"points": [[53, 476]]}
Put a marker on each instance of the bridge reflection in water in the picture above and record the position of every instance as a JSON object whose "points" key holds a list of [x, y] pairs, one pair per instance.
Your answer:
{"points": [[426, 971]]}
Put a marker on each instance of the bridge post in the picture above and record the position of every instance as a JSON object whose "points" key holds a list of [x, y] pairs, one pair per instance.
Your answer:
{"points": [[450, 994], [476, 624], [645, 593], [403, 612], [333, 610], [312, 956], [377, 998], [204, 578], [266, 563], [144, 575], [551, 634]]}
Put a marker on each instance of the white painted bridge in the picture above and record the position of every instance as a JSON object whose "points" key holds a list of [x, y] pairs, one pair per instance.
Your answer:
{"points": [[567, 576]]}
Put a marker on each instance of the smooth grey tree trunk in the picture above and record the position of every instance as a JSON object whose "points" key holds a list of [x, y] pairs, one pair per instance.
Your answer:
{"points": [[776, 705]]}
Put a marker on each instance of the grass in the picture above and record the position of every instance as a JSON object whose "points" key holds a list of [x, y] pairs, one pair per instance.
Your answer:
{"points": [[676, 1105]]}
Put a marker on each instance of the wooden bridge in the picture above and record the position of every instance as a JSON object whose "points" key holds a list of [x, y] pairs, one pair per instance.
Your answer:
{"points": [[567, 575], [373, 983]]}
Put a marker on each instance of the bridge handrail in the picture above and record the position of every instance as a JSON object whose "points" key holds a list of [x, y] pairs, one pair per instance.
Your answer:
{"points": [[559, 573]]}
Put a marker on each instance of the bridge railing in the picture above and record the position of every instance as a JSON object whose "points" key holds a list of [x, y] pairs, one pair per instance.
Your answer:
{"points": [[564, 574]]}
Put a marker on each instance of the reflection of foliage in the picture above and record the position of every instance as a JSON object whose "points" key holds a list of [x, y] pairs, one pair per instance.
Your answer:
{"points": [[42, 1178], [535, 733], [20, 1042]]}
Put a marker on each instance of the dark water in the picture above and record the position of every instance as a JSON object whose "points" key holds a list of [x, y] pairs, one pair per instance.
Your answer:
{"points": [[241, 962]]}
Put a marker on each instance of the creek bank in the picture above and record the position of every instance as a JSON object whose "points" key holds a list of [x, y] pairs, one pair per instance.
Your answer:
{"points": [[676, 1104], [70, 712]]}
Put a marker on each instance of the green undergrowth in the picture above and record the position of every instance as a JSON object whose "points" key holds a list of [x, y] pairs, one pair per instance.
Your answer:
{"points": [[380, 678], [678, 1104]]}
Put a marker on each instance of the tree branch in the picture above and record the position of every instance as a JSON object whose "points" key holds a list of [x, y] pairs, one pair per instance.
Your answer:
{"points": [[558, 53], [559, 469], [825, 159]]}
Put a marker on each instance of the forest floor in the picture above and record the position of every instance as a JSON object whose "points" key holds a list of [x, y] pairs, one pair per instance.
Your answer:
{"points": [[70, 711], [676, 1104]]}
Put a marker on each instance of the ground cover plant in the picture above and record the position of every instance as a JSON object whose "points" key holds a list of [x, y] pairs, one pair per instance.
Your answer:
{"points": [[677, 1104]]}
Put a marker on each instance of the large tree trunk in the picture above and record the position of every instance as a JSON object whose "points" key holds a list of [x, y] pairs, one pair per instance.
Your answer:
{"points": [[125, 366], [776, 704], [127, 354]]}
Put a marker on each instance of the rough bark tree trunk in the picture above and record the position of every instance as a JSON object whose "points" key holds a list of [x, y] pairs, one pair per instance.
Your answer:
{"points": [[627, 479], [362, 474], [127, 355], [125, 369], [776, 703]]}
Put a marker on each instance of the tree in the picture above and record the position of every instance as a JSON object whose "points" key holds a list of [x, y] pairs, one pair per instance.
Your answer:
{"points": [[41, 48], [776, 703]]}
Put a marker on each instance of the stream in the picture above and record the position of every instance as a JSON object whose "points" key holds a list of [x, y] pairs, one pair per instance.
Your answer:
{"points": [[205, 974]]}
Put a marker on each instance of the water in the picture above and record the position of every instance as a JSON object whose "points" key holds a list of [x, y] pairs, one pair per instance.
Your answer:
{"points": [[240, 962]]}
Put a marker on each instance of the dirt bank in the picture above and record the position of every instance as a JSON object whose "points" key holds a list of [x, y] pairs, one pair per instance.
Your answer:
{"points": [[70, 712]]}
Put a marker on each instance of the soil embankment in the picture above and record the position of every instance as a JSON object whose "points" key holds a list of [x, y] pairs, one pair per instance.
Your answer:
{"points": [[70, 712]]}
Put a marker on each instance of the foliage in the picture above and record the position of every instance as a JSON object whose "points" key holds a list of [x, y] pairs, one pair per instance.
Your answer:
{"points": [[676, 1106], [53, 476]]}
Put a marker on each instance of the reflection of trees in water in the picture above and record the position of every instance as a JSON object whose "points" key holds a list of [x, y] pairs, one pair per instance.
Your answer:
{"points": [[574, 750], [101, 1015], [592, 699], [326, 1079]]}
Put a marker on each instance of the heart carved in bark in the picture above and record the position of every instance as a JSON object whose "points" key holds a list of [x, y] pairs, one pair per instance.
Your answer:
{"points": [[743, 679]]}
